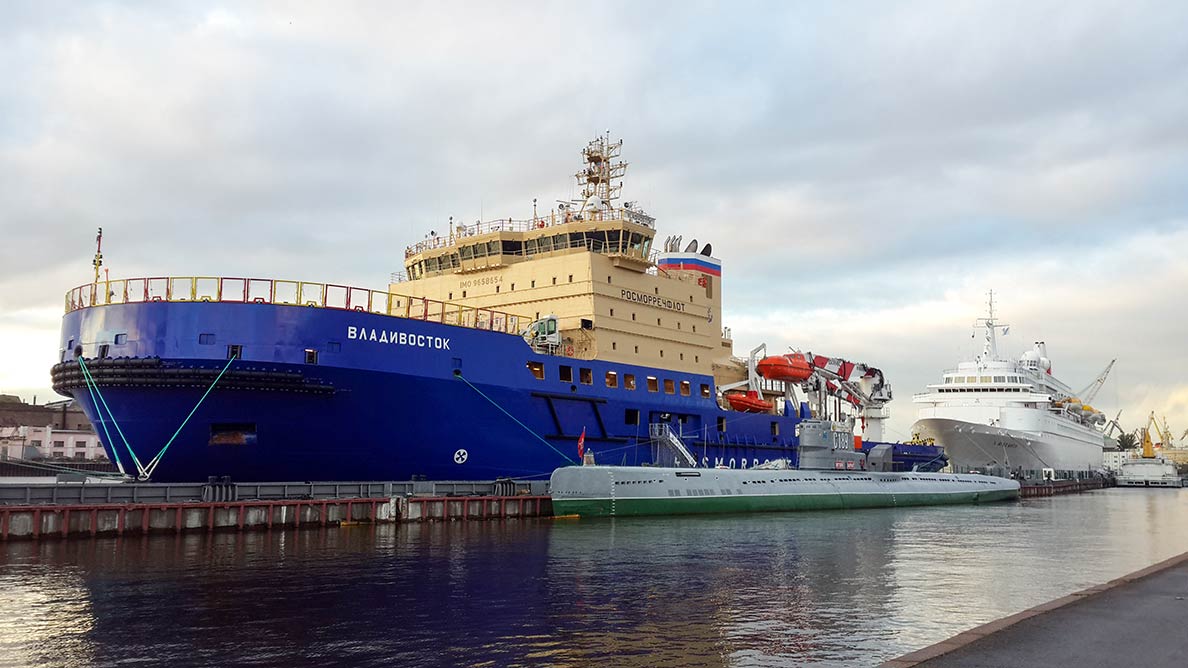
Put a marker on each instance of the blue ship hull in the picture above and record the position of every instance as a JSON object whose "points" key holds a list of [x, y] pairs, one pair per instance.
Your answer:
{"points": [[385, 399]]}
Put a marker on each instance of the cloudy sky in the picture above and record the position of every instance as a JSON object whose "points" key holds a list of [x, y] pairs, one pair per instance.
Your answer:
{"points": [[866, 171]]}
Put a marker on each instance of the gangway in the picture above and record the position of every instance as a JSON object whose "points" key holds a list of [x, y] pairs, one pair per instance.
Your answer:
{"points": [[662, 434]]}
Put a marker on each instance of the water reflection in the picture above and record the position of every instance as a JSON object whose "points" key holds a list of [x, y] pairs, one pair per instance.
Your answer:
{"points": [[829, 588]]}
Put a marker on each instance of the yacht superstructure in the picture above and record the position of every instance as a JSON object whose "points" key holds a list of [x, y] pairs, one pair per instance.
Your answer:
{"points": [[1012, 416]]}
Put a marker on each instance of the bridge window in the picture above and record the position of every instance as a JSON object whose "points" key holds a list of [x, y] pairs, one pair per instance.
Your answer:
{"points": [[586, 376], [537, 369], [612, 379], [653, 384], [565, 373], [1000, 379], [669, 386], [628, 381]]}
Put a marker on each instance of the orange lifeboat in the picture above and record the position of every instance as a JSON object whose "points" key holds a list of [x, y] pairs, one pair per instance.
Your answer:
{"points": [[748, 403], [792, 367]]}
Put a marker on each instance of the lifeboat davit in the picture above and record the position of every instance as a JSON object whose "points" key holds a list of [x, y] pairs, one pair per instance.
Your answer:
{"points": [[748, 403], [792, 367]]}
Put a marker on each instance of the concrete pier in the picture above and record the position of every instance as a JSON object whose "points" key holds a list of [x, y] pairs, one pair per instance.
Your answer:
{"points": [[53, 510], [1057, 487], [1135, 620]]}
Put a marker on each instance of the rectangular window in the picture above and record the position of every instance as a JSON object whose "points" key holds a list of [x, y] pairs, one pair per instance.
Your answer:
{"points": [[628, 381], [206, 339], [565, 373], [653, 384], [705, 392], [986, 379], [333, 347], [121, 339], [537, 369], [669, 386], [775, 428], [234, 352], [586, 376], [232, 433], [612, 379], [721, 425], [686, 388], [1000, 379], [311, 356], [971, 379], [103, 350], [631, 416], [59, 444]]}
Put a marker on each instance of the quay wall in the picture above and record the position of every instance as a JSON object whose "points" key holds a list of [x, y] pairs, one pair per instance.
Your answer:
{"points": [[47, 520]]}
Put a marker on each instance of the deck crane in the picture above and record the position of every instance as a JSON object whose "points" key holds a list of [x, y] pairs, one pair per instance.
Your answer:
{"points": [[1090, 392], [820, 378]]}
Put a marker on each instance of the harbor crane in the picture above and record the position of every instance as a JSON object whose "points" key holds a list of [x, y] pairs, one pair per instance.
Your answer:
{"points": [[1090, 392], [1113, 425]]}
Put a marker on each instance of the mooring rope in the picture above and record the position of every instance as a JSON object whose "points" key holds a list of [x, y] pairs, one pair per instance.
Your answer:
{"points": [[540, 438], [152, 465], [91, 379]]}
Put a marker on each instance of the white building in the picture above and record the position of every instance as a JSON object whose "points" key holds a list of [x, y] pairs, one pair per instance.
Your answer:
{"points": [[49, 443], [1112, 459]]}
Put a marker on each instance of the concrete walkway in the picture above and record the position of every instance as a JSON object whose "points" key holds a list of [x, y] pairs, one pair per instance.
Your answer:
{"points": [[1137, 620]]}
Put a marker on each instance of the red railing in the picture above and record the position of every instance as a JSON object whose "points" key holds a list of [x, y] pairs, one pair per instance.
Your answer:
{"points": [[289, 293]]}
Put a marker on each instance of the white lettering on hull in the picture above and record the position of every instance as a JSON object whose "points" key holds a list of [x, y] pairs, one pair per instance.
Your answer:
{"points": [[398, 338]]}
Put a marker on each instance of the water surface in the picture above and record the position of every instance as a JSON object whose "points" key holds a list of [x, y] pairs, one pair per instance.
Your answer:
{"points": [[830, 588]]}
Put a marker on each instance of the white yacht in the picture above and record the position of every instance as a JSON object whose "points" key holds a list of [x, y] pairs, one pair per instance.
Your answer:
{"points": [[1013, 417]]}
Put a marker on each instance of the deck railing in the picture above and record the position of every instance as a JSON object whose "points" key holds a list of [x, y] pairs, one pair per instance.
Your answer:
{"points": [[289, 293], [553, 219]]}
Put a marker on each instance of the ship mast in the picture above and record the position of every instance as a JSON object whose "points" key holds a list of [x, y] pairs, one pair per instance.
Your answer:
{"points": [[990, 327], [601, 179], [98, 261]]}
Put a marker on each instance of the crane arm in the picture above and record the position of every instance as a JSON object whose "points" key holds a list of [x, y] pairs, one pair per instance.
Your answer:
{"points": [[1090, 392]]}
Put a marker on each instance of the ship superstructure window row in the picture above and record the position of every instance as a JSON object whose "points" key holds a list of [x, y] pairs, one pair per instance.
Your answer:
{"points": [[611, 379], [609, 242]]}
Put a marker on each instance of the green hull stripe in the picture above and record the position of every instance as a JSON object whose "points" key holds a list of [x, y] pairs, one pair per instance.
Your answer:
{"points": [[606, 507]]}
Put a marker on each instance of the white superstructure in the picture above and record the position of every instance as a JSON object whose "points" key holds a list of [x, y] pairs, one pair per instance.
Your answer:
{"points": [[1012, 416]]}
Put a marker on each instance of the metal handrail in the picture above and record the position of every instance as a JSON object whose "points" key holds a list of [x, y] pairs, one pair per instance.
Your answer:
{"points": [[289, 293], [462, 231]]}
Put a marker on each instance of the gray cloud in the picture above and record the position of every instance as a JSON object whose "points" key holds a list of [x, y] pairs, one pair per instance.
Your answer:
{"points": [[844, 159]]}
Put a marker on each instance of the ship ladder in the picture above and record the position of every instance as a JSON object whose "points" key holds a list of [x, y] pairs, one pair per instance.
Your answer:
{"points": [[662, 433], [459, 376]]}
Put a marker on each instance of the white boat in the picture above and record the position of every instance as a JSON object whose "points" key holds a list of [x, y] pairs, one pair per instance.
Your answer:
{"points": [[1154, 472], [1149, 470], [1008, 416]]}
